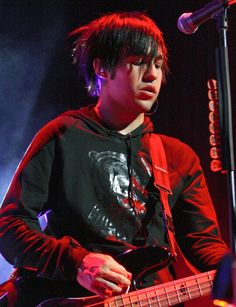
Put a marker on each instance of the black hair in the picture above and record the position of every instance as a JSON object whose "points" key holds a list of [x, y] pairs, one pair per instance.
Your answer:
{"points": [[112, 37]]}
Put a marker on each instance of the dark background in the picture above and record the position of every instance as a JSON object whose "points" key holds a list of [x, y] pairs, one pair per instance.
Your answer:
{"points": [[38, 81]]}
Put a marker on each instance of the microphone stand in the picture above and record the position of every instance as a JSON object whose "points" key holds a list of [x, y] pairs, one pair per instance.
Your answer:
{"points": [[227, 146], [224, 287]]}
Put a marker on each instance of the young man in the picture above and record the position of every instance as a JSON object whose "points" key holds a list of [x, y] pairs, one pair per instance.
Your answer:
{"points": [[91, 170]]}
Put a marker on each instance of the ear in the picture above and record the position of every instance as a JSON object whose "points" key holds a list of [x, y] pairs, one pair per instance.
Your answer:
{"points": [[99, 70]]}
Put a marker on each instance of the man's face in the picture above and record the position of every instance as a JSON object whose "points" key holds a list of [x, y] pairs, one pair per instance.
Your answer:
{"points": [[135, 83]]}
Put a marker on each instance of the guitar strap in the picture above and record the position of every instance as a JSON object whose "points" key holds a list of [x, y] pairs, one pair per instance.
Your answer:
{"points": [[162, 183]]}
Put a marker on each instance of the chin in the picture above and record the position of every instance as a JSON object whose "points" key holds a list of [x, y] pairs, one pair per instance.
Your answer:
{"points": [[145, 105]]}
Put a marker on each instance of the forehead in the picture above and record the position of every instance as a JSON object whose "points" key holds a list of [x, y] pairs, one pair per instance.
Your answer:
{"points": [[144, 48], [148, 56]]}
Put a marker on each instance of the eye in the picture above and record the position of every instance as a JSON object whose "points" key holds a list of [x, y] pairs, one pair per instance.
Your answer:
{"points": [[137, 61], [158, 64]]}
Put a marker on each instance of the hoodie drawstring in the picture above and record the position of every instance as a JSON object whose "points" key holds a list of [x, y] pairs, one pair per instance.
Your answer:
{"points": [[130, 173]]}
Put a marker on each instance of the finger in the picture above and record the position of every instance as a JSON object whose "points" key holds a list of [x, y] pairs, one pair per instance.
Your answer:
{"points": [[107, 286], [104, 288], [118, 268], [108, 273], [126, 274], [103, 293], [116, 278]]}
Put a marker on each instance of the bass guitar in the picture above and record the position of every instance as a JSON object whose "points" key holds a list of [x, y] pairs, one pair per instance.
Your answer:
{"points": [[140, 262]]}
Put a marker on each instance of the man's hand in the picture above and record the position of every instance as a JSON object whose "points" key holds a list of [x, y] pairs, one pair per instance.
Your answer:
{"points": [[102, 275]]}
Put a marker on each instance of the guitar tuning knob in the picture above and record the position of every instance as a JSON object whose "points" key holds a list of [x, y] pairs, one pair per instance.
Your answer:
{"points": [[214, 140], [215, 152], [214, 126], [216, 165], [213, 105], [214, 117], [212, 84]]}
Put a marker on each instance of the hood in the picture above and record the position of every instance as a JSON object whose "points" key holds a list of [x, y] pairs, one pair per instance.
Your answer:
{"points": [[88, 116]]}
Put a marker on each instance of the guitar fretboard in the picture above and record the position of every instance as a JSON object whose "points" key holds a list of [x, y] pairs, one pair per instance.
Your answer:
{"points": [[168, 294]]}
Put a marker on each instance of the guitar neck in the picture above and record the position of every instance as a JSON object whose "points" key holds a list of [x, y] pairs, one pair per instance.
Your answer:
{"points": [[167, 294]]}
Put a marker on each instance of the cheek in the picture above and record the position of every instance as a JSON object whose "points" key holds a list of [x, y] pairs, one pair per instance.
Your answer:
{"points": [[132, 83], [159, 81], [126, 85]]}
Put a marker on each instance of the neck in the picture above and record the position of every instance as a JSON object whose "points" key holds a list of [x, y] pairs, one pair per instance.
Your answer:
{"points": [[118, 120], [133, 125]]}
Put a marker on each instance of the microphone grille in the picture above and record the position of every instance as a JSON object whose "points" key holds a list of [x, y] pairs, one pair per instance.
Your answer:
{"points": [[185, 24]]}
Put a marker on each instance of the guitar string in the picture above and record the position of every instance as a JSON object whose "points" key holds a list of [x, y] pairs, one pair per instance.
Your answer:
{"points": [[161, 300], [158, 298], [169, 298], [188, 291], [184, 282]]}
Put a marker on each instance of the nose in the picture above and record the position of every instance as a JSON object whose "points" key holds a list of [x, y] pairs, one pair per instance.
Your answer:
{"points": [[151, 73]]}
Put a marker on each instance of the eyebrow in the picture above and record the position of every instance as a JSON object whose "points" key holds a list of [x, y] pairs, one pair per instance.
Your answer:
{"points": [[159, 57]]}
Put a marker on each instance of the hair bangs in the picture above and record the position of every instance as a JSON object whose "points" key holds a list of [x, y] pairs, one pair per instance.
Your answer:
{"points": [[141, 45], [113, 37]]}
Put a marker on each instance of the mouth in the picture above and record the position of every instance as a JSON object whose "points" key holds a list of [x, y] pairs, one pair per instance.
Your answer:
{"points": [[147, 92], [149, 89]]}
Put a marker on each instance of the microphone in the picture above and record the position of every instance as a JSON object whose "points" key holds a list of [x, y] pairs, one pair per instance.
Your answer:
{"points": [[188, 23]]}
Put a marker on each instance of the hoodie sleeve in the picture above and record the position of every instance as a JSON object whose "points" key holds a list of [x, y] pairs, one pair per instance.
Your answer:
{"points": [[195, 221], [22, 242]]}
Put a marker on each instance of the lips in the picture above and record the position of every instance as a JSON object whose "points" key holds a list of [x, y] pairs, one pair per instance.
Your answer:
{"points": [[149, 88]]}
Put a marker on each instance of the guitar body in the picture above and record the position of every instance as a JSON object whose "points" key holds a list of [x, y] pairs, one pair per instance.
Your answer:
{"points": [[142, 261], [74, 302], [163, 295], [32, 290]]}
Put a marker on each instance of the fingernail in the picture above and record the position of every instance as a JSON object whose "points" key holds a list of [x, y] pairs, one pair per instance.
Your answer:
{"points": [[108, 293]]}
